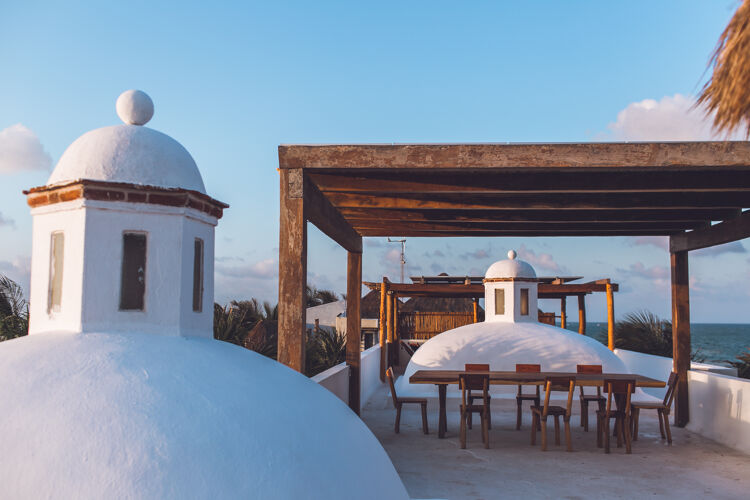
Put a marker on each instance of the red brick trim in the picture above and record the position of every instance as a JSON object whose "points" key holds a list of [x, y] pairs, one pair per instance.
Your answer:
{"points": [[123, 192]]}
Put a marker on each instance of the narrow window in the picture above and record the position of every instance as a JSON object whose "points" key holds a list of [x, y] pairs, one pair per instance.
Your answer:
{"points": [[499, 301], [56, 253], [524, 301], [133, 281], [198, 275]]}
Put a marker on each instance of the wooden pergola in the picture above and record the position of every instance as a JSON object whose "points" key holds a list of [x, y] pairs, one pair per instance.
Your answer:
{"points": [[675, 189]]}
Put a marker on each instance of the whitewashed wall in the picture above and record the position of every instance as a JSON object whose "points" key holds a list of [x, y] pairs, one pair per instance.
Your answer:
{"points": [[720, 408], [336, 379]]}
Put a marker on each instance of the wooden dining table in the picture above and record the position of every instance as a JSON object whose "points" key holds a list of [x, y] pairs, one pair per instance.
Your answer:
{"points": [[444, 378]]}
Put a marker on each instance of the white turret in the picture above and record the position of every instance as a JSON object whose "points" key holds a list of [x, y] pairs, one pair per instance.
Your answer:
{"points": [[123, 235], [510, 291]]}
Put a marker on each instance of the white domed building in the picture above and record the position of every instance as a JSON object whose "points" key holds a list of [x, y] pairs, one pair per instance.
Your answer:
{"points": [[120, 390], [511, 334]]}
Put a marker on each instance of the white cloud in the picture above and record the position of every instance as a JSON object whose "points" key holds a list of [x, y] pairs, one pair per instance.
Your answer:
{"points": [[540, 260], [656, 241], [20, 149], [733, 247], [264, 269], [657, 274], [19, 270], [670, 119], [6, 222]]}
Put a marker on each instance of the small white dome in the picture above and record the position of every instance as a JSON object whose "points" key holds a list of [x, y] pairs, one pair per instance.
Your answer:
{"points": [[129, 153], [510, 268], [139, 416], [503, 345]]}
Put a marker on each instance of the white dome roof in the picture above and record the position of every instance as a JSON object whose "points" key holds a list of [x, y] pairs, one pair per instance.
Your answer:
{"points": [[110, 416], [510, 268], [503, 345], [129, 153]]}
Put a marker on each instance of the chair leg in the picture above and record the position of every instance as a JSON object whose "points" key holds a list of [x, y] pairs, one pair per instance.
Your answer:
{"points": [[661, 424], [534, 418], [486, 428], [606, 435], [599, 429], [626, 431], [463, 430], [618, 431], [469, 417], [568, 439], [557, 430], [425, 428], [636, 417], [537, 403], [398, 416], [585, 415], [543, 422], [518, 414], [489, 415], [665, 416]]}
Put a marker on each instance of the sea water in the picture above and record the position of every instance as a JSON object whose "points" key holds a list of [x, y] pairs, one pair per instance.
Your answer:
{"points": [[716, 342]]}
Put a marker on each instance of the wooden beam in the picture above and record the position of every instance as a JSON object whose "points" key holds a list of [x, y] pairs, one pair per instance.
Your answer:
{"points": [[292, 272], [475, 307], [578, 201], [563, 319], [665, 226], [677, 156], [327, 218], [582, 314], [718, 234], [382, 327], [458, 233], [396, 337], [353, 325], [541, 215], [389, 329], [610, 317], [681, 332], [546, 290]]}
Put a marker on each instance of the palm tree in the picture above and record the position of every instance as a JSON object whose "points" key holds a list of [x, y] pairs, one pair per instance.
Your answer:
{"points": [[742, 364], [14, 310], [316, 297], [644, 331]]}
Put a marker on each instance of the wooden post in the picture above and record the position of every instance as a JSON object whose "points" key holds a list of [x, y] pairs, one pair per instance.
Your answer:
{"points": [[475, 304], [563, 319], [353, 325], [292, 271], [610, 318], [582, 314], [382, 328], [681, 333], [396, 340], [389, 328]]}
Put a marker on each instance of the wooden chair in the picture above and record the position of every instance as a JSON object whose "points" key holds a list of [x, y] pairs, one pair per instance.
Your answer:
{"points": [[662, 410], [471, 397], [520, 396], [399, 402], [585, 399], [474, 382], [539, 413], [620, 390]]}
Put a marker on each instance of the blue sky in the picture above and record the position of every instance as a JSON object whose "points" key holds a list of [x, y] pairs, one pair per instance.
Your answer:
{"points": [[233, 81]]}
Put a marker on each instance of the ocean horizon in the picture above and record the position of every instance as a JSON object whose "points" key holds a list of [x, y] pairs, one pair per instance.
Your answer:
{"points": [[716, 342]]}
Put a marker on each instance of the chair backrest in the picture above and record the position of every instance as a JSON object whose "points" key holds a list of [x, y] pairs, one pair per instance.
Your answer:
{"points": [[590, 369], [671, 387], [624, 387], [476, 367], [559, 384], [389, 375], [473, 382], [528, 368]]}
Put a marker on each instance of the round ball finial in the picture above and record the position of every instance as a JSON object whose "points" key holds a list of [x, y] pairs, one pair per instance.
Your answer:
{"points": [[512, 254], [135, 107]]}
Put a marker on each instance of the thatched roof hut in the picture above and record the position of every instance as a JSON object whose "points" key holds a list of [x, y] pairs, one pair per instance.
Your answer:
{"points": [[727, 93], [438, 304], [369, 305]]}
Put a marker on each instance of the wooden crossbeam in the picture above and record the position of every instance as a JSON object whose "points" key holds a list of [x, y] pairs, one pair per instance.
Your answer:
{"points": [[555, 182], [458, 233], [327, 218], [583, 156], [540, 215], [590, 201], [666, 226], [546, 290], [718, 234]]}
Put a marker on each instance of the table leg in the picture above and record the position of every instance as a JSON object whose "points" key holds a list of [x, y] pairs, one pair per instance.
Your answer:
{"points": [[443, 418]]}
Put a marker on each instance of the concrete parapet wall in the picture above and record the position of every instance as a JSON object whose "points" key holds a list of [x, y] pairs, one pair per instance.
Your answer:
{"points": [[336, 380], [720, 408]]}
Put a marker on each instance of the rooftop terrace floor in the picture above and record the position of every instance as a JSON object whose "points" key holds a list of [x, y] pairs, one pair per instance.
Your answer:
{"points": [[693, 467]]}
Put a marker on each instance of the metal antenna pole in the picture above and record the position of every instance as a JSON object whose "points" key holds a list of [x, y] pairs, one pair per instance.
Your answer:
{"points": [[403, 254]]}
